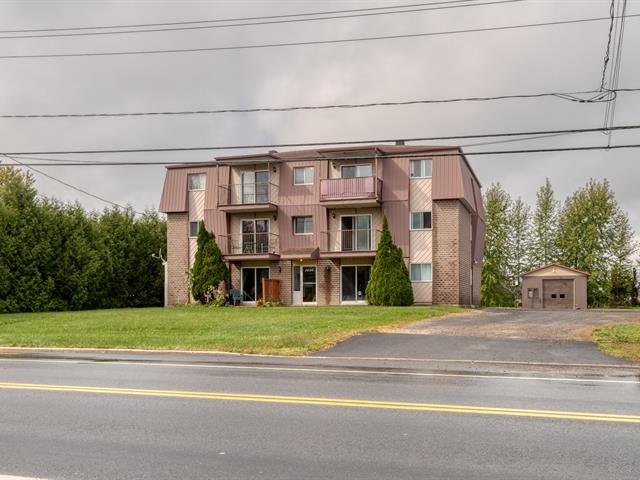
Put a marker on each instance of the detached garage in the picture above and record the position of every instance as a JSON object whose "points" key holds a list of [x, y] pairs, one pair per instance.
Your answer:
{"points": [[554, 286]]}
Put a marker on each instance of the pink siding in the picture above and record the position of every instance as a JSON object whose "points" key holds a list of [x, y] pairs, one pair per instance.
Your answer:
{"points": [[447, 178], [289, 241], [174, 193], [398, 217], [396, 179], [291, 194]]}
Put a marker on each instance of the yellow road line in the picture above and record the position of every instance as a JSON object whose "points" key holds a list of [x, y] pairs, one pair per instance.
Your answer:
{"points": [[335, 402]]}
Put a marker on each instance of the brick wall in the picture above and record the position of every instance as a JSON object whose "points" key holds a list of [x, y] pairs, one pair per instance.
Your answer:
{"points": [[446, 241], [281, 270], [328, 287], [177, 257], [464, 255], [234, 269]]}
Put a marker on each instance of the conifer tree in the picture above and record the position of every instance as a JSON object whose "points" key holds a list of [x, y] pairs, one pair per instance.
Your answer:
{"points": [[209, 268], [389, 283]]}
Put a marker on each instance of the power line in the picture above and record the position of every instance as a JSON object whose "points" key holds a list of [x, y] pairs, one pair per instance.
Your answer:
{"points": [[605, 96], [267, 22], [615, 71], [323, 144], [305, 43], [237, 19], [78, 189], [606, 54], [370, 157]]}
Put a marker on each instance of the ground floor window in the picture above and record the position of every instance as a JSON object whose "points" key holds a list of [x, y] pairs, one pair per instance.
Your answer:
{"points": [[354, 280], [252, 283]]}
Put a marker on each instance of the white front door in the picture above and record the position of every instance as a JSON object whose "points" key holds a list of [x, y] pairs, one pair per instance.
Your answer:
{"points": [[304, 284]]}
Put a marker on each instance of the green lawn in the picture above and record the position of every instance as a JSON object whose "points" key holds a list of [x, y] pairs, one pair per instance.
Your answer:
{"points": [[622, 340], [278, 330]]}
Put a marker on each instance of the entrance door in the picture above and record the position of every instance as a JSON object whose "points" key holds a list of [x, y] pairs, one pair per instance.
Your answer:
{"points": [[304, 284], [255, 187], [252, 283], [354, 280], [356, 233]]}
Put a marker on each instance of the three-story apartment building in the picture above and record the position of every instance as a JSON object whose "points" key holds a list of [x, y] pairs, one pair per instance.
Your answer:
{"points": [[312, 219]]}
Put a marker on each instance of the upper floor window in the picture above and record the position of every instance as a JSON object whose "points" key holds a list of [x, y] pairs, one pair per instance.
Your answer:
{"points": [[196, 181], [421, 168], [303, 175], [420, 272], [303, 225], [420, 220], [194, 228], [360, 170]]}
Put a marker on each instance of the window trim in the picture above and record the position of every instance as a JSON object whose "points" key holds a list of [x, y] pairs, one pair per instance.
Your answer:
{"points": [[197, 189], [356, 165], [423, 228], [420, 281], [420, 160], [313, 169], [197, 222], [293, 226]]}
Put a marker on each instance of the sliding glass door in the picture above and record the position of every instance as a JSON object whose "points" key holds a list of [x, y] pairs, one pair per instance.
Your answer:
{"points": [[354, 280], [355, 233], [255, 187], [255, 236], [252, 283]]}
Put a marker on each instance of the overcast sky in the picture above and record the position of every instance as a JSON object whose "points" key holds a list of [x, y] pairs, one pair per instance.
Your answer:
{"points": [[553, 58]]}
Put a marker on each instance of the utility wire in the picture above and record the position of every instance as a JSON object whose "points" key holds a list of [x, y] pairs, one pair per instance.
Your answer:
{"points": [[597, 96], [268, 22], [237, 19], [321, 144], [615, 70], [78, 189], [367, 157], [306, 43], [606, 54]]}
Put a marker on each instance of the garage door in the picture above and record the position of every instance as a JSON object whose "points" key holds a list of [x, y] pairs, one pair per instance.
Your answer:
{"points": [[558, 293]]}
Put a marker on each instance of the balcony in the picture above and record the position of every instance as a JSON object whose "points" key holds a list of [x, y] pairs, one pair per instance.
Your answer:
{"points": [[350, 243], [360, 191], [250, 246], [248, 197]]}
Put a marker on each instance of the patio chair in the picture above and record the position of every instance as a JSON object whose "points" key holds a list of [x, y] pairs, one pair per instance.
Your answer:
{"points": [[236, 296]]}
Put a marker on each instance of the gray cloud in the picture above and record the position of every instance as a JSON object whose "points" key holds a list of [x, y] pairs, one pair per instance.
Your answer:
{"points": [[567, 57]]}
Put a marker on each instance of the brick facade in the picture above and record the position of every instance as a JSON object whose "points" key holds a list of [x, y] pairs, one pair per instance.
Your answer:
{"points": [[177, 257], [328, 287], [452, 256]]}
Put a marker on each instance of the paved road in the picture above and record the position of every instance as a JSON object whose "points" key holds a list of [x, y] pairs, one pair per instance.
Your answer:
{"points": [[193, 417]]}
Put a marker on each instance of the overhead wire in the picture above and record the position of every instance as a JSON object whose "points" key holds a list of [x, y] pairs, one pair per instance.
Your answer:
{"points": [[436, 152], [596, 96], [323, 143], [305, 43], [69, 185], [615, 70], [266, 22], [236, 19]]}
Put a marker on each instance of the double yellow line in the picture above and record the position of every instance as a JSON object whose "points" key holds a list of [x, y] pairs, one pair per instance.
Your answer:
{"points": [[332, 402]]}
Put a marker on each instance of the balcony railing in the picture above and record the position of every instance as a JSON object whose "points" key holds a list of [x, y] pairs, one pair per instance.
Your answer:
{"points": [[356, 188], [247, 194], [249, 244], [356, 240]]}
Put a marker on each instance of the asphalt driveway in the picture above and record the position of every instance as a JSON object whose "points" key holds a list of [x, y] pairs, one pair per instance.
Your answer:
{"points": [[525, 324], [498, 335]]}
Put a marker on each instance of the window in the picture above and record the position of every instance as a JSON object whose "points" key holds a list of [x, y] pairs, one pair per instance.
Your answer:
{"points": [[351, 171], [194, 228], [421, 168], [303, 225], [303, 176], [196, 181], [420, 220], [420, 272]]}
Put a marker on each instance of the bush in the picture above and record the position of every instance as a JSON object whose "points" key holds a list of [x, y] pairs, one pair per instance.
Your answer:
{"points": [[209, 268], [389, 284]]}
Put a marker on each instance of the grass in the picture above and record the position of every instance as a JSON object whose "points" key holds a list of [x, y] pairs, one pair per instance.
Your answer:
{"points": [[621, 340], [277, 330]]}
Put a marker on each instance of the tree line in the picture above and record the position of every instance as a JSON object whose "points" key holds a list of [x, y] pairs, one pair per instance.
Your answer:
{"points": [[57, 256], [588, 231]]}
